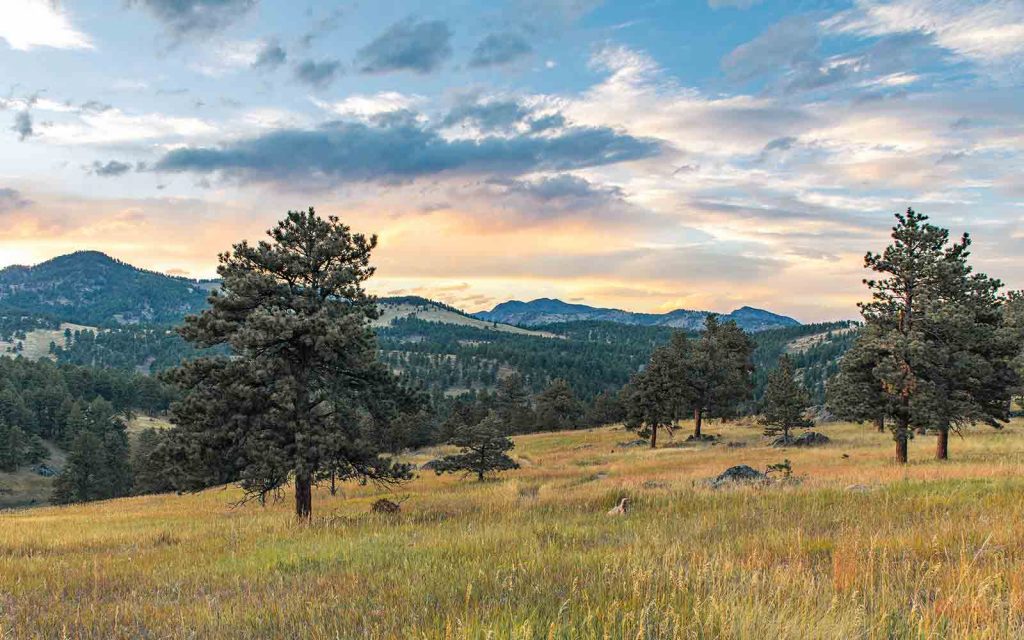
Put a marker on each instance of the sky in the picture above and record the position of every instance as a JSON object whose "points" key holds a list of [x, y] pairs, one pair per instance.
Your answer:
{"points": [[646, 155]]}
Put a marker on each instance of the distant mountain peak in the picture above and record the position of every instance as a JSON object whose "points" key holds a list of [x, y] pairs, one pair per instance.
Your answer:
{"points": [[543, 311]]}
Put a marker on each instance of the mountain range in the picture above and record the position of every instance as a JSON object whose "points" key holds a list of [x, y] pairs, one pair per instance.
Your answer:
{"points": [[548, 311], [91, 288]]}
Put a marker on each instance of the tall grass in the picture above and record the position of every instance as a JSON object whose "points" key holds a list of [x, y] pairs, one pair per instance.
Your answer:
{"points": [[932, 550]]}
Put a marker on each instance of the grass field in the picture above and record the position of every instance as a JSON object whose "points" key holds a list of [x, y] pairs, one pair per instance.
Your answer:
{"points": [[932, 550], [37, 342]]}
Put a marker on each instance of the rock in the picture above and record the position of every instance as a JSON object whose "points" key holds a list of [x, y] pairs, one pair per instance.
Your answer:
{"points": [[580, 447], [654, 484], [704, 437], [807, 439], [430, 464], [44, 470], [385, 506], [858, 488], [740, 474], [639, 442], [736, 445]]}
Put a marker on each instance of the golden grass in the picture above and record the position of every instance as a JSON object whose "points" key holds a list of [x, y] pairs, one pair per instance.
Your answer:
{"points": [[389, 312], [932, 550], [37, 342]]}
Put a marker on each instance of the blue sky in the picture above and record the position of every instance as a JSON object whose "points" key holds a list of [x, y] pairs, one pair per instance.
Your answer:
{"points": [[647, 155]]}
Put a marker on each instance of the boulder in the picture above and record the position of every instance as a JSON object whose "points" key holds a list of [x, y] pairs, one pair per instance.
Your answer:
{"points": [[385, 506], [639, 442], [44, 470], [740, 474], [430, 464], [704, 437], [806, 439]]}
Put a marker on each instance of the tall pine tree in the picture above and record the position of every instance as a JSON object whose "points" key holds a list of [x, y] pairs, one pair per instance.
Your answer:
{"points": [[942, 358], [295, 315]]}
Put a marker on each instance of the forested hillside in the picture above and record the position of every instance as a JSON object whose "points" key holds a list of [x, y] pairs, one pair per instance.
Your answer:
{"points": [[89, 287], [547, 311]]}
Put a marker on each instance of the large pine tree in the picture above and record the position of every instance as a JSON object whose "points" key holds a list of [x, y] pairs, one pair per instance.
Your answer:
{"points": [[659, 395], [718, 372], [558, 408], [293, 311], [934, 330]]}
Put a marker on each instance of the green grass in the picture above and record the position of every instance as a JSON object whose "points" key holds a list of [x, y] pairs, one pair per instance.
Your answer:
{"points": [[932, 550]]}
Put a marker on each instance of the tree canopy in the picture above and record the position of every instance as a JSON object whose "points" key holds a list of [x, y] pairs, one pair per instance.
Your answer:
{"points": [[289, 404]]}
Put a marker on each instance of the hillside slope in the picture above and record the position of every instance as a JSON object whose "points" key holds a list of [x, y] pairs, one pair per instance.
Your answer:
{"points": [[91, 288], [546, 311]]}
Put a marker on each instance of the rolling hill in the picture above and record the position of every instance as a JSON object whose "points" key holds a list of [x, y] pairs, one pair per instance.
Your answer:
{"points": [[91, 288], [547, 311]]}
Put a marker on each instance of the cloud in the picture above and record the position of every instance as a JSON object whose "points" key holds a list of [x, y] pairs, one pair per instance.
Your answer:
{"points": [[187, 17], [271, 56], [111, 168], [23, 125], [789, 53], [787, 43], [399, 150], [365, 106], [499, 49], [318, 74], [26, 24], [487, 115], [420, 47], [113, 126], [95, 106], [11, 199], [564, 187], [988, 32]]}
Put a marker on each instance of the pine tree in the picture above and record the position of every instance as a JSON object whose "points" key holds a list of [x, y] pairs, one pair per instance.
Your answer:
{"points": [[607, 407], [12, 447], [659, 395], [512, 404], [482, 450], [855, 393], [97, 467], [941, 356], [82, 478], [785, 401], [296, 317], [558, 408], [718, 372]]}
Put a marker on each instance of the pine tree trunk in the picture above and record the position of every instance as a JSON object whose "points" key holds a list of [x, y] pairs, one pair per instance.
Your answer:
{"points": [[303, 497], [698, 416], [334, 486], [902, 436], [880, 423], [654, 436], [942, 446]]}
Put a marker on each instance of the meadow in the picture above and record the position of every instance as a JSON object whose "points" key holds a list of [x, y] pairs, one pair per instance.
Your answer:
{"points": [[859, 548]]}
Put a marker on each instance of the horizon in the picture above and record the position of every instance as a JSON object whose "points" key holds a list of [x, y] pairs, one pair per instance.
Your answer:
{"points": [[715, 155], [464, 310]]}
